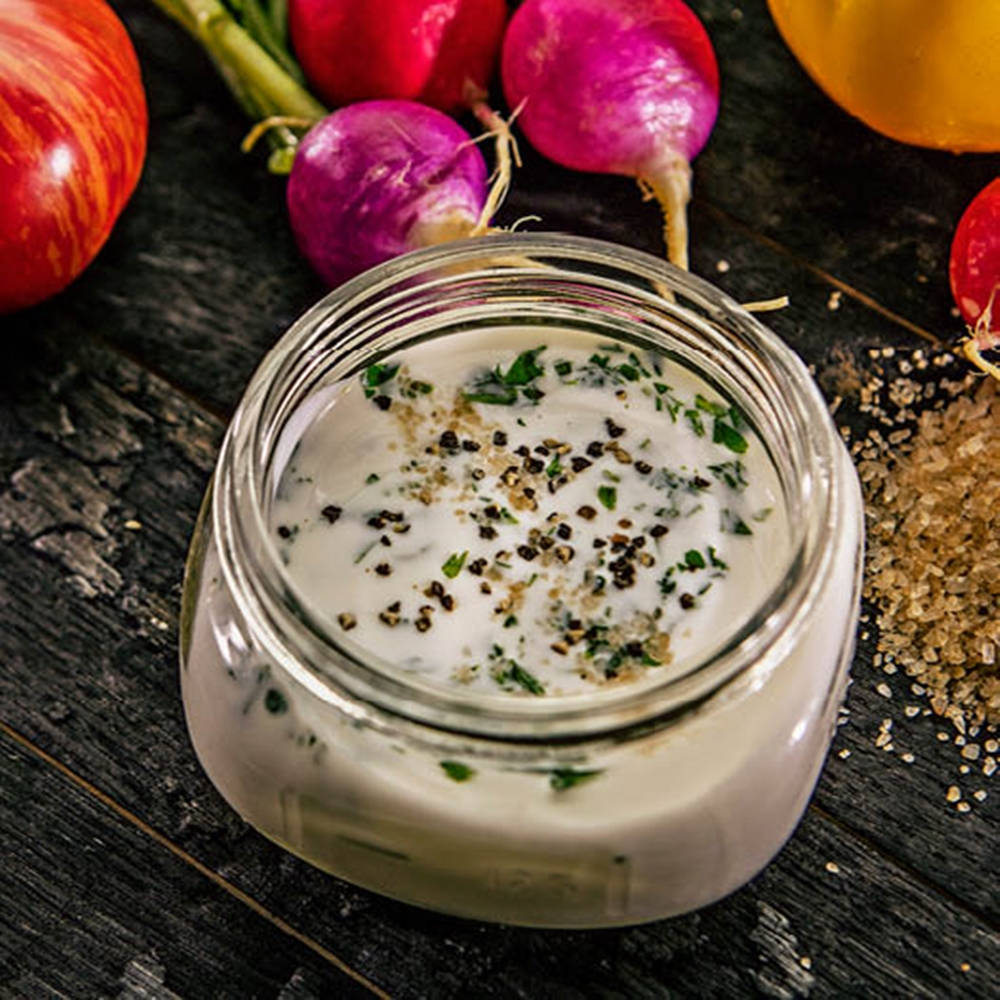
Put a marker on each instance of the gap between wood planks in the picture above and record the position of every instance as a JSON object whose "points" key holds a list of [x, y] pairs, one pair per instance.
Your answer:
{"points": [[916, 876], [140, 824], [866, 300], [189, 859]]}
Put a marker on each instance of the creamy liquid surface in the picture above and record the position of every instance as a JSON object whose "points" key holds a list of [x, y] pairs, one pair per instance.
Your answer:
{"points": [[529, 515]]}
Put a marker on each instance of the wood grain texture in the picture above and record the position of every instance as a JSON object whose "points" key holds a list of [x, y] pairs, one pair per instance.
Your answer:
{"points": [[90, 906], [197, 281]]}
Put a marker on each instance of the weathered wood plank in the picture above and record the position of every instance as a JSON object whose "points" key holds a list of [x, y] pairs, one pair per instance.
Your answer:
{"points": [[792, 165], [89, 441], [90, 906]]}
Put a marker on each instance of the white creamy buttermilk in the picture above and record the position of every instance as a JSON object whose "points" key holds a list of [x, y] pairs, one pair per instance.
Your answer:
{"points": [[530, 515]]}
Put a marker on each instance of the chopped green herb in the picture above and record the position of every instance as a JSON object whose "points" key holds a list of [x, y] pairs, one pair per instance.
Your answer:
{"points": [[553, 468], [510, 621], [725, 435], [524, 368], [507, 517], [611, 477], [563, 367], [376, 375], [516, 673], [563, 778], [365, 551], [419, 388], [275, 702], [608, 496], [630, 372], [693, 559], [713, 558], [495, 394], [372, 478], [763, 514], [667, 582], [694, 419], [734, 524], [716, 409], [732, 473], [453, 564], [457, 771]]}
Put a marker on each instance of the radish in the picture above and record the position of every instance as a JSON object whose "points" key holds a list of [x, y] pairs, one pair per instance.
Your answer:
{"points": [[372, 180], [616, 86], [438, 52], [379, 178], [974, 270]]}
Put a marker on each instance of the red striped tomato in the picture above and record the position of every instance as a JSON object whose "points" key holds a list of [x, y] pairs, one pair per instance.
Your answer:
{"points": [[72, 140]]}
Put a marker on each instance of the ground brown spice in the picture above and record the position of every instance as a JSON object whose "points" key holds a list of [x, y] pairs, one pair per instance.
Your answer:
{"points": [[933, 521]]}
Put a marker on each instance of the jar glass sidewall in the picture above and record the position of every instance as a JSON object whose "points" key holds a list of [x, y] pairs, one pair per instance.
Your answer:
{"points": [[578, 817]]}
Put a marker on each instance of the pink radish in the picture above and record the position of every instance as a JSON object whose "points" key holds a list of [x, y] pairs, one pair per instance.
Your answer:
{"points": [[438, 52], [379, 178], [616, 86], [975, 275]]}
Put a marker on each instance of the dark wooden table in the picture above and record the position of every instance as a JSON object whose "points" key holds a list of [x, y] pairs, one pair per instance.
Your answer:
{"points": [[123, 873]]}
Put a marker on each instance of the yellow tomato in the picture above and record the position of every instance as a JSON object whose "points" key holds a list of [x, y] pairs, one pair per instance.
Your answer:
{"points": [[921, 71]]}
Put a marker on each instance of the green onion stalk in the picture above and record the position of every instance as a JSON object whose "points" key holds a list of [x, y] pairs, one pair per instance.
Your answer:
{"points": [[247, 40]]}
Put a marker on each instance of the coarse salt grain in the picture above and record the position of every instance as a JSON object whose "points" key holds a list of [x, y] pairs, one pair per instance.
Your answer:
{"points": [[832, 867], [980, 795], [953, 794], [884, 690], [962, 807], [844, 754]]}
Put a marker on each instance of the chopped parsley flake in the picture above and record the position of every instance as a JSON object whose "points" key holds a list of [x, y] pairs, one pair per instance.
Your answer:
{"points": [[728, 436], [716, 409], [453, 564], [693, 559], [608, 496], [457, 771], [733, 523], [563, 778], [376, 375], [553, 468], [372, 478], [499, 387], [732, 473]]}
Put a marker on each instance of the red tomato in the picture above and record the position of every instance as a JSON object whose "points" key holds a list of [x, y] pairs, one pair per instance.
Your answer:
{"points": [[72, 140], [974, 268], [420, 50]]}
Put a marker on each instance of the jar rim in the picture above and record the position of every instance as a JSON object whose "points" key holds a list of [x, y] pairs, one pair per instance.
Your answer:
{"points": [[372, 691]]}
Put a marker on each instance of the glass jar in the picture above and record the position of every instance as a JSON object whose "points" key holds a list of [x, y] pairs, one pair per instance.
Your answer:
{"points": [[605, 808]]}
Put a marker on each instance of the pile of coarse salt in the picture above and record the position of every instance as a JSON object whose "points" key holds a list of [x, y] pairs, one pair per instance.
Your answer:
{"points": [[930, 471]]}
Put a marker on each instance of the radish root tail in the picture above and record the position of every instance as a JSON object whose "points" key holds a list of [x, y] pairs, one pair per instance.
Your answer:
{"points": [[982, 338], [274, 121], [507, 157], [671, 187]]}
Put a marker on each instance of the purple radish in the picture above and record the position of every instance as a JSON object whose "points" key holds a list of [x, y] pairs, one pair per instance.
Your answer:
{"points": [[617, 86], [379, 178]]}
